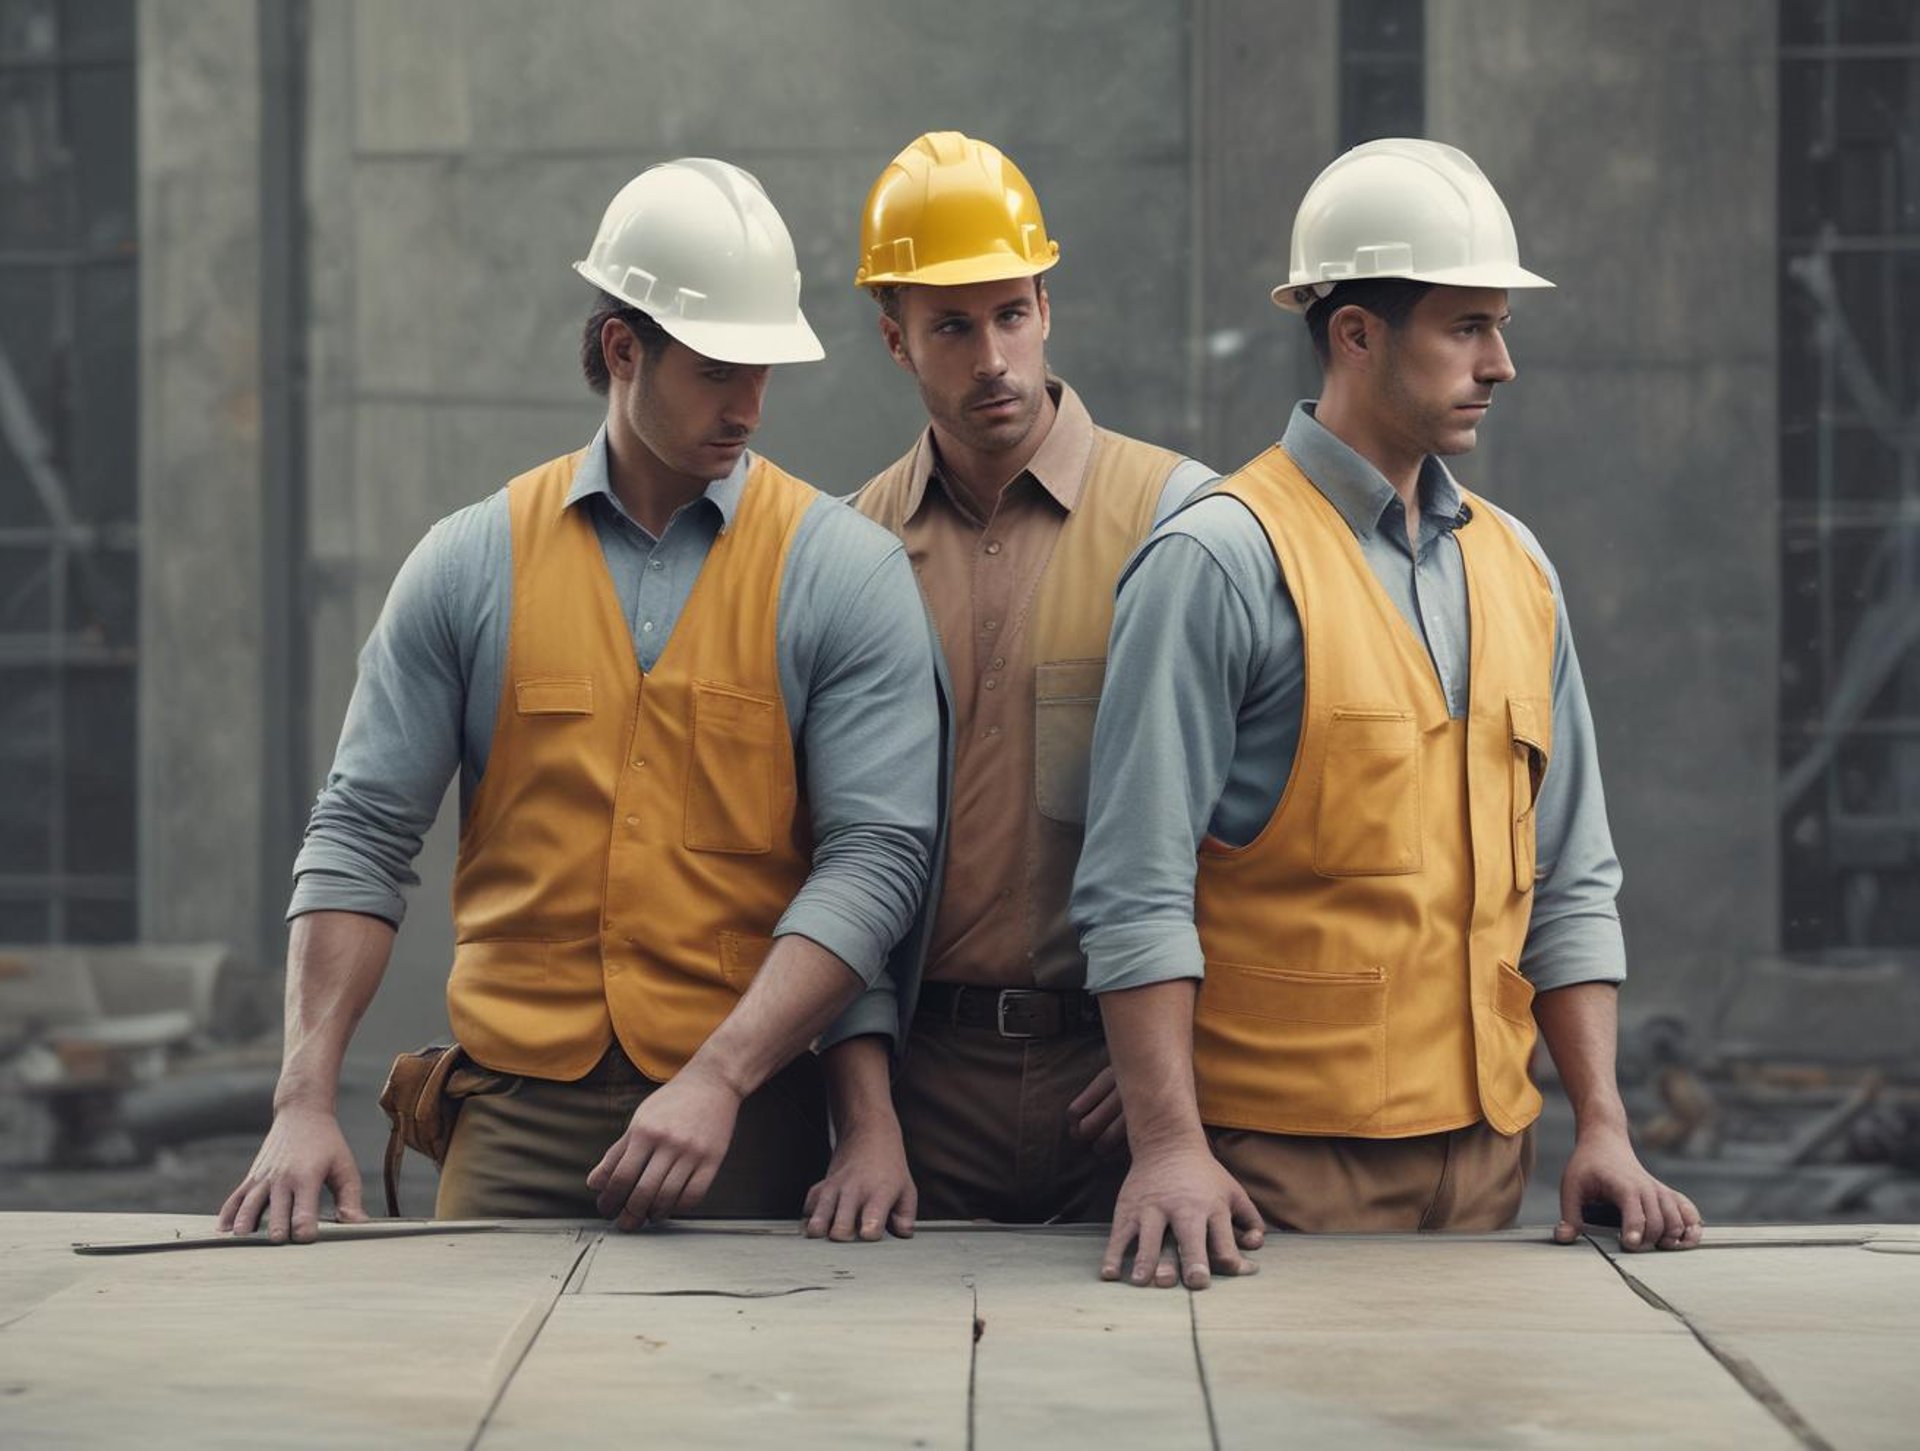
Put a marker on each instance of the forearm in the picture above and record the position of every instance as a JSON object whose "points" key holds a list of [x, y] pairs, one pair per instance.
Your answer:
{"points": [[335, 961], [859, 1083], [1150, 1039], [799, 990], [1581, 1026]]}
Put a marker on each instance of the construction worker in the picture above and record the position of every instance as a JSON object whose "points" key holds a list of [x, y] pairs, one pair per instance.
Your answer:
{"points": [[1017, 512], [1345, 791], [697, 738]]}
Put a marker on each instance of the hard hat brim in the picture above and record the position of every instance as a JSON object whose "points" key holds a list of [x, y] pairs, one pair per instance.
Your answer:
{"points": [[958, 273], [750, 343], [1299, 296]]}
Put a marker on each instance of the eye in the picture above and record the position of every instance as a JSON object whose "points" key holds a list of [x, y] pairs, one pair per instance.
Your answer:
{"points": [[719, 375]]}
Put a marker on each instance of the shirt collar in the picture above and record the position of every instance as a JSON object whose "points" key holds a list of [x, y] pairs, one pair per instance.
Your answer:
{"points": [[1059, 465], [1355, 487], [595, 476]]}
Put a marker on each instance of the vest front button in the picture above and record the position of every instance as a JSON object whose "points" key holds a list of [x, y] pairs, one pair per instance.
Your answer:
{"points": [[639, 764], [633, 821]]}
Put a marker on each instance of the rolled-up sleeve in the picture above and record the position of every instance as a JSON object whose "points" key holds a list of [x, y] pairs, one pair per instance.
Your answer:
{"points": [[870, 742], [399, 747], [1177, 668], [1574, 935]]}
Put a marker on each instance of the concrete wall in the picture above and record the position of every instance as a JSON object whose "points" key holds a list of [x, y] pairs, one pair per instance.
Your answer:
{"points": [[1634, 143], [200, 599]]}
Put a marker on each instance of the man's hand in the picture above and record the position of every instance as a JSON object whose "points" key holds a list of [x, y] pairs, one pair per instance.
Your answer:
{"points": [[1605, 1169], [1187, 1191], [301, 1152], [672, 1148], [1096, 1117], [867, 1184]]}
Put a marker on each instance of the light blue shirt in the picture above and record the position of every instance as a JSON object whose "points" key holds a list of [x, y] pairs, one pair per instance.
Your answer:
{"points": [[855, 673], [1201, 713]]}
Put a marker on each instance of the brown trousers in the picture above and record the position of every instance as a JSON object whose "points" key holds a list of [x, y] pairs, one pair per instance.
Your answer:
{"points": [[522, 1147], [985, 1121], [1467, 1179]]}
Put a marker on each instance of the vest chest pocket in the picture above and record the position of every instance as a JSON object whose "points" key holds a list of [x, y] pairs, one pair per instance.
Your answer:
{"points": [[730, 771], [1066, 697], [1368, 822], [554, 695], [1525, 721]]}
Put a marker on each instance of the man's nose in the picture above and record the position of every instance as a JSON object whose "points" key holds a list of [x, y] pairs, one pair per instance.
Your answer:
{"points": [[1496, 365], [745, 397]]}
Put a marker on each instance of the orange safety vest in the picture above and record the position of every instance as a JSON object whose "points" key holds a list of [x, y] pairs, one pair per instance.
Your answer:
{"points": [[635, 837], [1361, 951], [1064, 643]]}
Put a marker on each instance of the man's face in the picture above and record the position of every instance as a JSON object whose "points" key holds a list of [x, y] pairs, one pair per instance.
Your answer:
{"points": [[1437, 371], [979, 355], [695, 413]]}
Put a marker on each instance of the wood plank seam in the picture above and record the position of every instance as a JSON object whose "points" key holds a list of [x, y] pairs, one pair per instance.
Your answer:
{"points": [[1745, 1373], [538, 1322], [973, 1352], [1200, 1366]]}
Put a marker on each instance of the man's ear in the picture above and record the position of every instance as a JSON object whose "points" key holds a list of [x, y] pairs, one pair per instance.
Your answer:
{"points": [[1350, 334], [1046, 315], [896, 341], [621, 349]]}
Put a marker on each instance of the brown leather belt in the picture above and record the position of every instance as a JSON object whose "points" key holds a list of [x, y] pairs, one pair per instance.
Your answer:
{"points": [[1014, 1012]]}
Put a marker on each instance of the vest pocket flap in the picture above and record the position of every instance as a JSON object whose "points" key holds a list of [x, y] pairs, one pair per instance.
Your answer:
{"points": [[554, 695], [1068, 682], [1066, 696], [1527, 721], [741, 954], [1358, 997], [1370, 728], [1512, 995]]}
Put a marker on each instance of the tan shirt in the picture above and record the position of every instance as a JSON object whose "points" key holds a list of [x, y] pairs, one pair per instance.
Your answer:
{"points": [[980, 578]]}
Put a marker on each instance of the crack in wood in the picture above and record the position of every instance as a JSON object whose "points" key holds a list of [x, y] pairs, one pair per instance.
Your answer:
{"points": [[1745, 1373], [1200, 1365], [977, 1328], [534, 1322]]}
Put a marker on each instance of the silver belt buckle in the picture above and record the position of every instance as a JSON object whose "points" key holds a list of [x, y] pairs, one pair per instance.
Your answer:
{"points": [[1000, 1018]]}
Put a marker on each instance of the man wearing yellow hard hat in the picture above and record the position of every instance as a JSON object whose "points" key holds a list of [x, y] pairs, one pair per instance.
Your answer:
{"points": [[1017, 512], [689, 704], [1347, 844]]}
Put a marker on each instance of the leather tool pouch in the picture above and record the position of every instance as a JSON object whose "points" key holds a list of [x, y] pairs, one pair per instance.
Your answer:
{"points": [[416, 1105]]}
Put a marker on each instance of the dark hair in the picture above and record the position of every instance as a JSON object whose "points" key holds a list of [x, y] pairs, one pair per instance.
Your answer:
{"points": [[593, 359], [1391, 299], [888, 295]]}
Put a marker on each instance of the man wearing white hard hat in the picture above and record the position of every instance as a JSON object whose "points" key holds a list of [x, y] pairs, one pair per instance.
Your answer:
{"points": [[691, 711], [1347, 848], [1017, 510]]}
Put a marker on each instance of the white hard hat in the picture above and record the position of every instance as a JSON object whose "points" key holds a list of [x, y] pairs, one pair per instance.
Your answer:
{"points": [[1402, 208], [697, 245]]}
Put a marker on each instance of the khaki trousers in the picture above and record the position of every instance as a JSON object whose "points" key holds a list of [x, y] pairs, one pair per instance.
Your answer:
{"points": [[985, 1121], [1465, 1179], [522, 1147]]}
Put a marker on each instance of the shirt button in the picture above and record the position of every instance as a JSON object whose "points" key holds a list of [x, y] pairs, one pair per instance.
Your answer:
{"points": [[999, 662], [993, 547], [991, 625], [989, 683], [655, 564], [647, 628], [992, 731]]}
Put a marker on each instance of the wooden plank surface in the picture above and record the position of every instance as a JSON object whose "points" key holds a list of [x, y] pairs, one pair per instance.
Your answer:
{"points": [[389, 1343], [1827, 1334], [738, 1335], [1499, 1341]]}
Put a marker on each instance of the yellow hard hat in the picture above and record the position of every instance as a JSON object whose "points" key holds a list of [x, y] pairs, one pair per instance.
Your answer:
{"points": [[951, 210]]}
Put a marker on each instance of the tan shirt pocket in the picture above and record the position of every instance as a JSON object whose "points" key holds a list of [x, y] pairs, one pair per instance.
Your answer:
{"points": [[1369, 815], [730, 770], [1066, 698]]}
